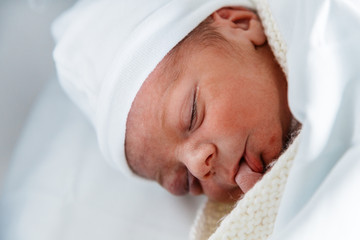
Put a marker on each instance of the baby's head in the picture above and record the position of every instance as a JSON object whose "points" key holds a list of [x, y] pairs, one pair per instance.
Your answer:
{"points": [[199, 112], [213, 114]]}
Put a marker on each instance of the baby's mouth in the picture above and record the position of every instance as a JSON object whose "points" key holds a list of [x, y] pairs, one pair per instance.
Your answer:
{"points": [[255, 163]]}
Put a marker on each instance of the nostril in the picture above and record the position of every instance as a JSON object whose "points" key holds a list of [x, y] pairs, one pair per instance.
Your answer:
{"points": [[208, 174], [207, 161]]}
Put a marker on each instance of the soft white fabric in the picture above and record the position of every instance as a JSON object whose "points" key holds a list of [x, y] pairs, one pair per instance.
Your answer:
{"points": [[59, 187], [107, 48], [321, 197]]}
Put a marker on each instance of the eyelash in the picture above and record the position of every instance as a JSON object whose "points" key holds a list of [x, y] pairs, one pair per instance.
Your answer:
{"points": [[193, 110]]}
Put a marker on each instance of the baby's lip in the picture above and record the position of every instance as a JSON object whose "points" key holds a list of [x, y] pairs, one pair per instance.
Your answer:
{"points": [[254, 162], [248, 170]]}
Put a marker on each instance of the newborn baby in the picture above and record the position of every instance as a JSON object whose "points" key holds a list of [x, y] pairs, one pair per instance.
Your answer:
{"points": [[185, 93], [213, 115]]}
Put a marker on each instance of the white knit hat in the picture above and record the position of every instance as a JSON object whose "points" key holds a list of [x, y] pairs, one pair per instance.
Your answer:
{"points": [[107, 48]]}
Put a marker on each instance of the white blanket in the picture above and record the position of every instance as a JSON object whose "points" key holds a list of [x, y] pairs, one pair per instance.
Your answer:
{"points": [[322, 195]]}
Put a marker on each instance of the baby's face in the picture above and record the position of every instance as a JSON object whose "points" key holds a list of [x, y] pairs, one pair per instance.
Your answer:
{"points": [[212, 125]]}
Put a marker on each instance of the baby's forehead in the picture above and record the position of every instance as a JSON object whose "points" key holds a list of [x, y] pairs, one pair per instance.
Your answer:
{"points": [[143, 126]]}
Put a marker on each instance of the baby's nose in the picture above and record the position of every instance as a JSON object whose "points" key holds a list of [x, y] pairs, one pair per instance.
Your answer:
{"points": [[200, 163]]}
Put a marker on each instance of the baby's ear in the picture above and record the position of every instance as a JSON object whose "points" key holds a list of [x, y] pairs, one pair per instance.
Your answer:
{"points": [[239, 22]]}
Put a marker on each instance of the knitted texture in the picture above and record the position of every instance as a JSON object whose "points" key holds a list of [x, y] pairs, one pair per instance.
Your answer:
{"points": [[209, 218], [254, 215]]}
